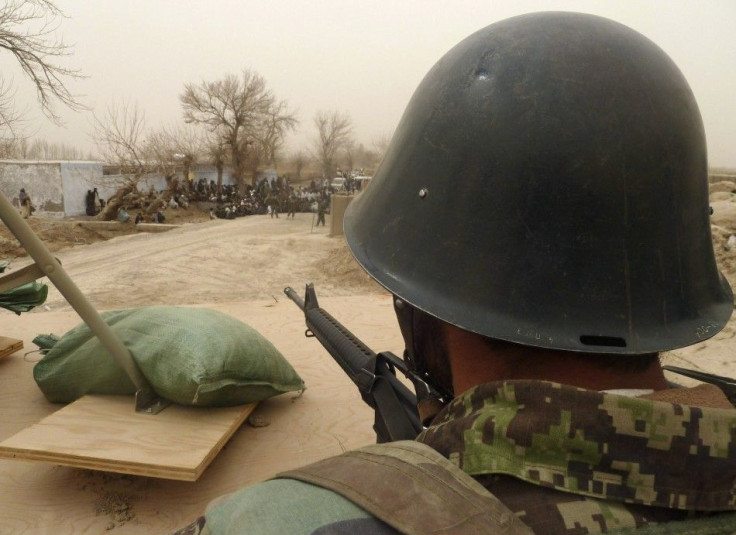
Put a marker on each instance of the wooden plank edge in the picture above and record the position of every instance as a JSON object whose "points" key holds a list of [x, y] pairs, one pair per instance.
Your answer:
{"points": [[127, 467], [102, 465], [9, 350], [247, 410]]}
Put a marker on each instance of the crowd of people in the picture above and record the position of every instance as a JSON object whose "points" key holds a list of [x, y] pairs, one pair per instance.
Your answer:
{"points": [[271, 197]]}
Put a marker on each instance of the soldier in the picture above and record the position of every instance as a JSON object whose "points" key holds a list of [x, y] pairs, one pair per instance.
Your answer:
{"points": [[272, 202], [321, 210], [291, 203], [582, 250]]}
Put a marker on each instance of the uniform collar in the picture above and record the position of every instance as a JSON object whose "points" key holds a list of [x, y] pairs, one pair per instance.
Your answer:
{"points": [[593, 443]]}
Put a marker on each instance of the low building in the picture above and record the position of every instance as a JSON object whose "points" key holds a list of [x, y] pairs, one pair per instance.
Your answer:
{"points": [[59, 188], [56, 188]]}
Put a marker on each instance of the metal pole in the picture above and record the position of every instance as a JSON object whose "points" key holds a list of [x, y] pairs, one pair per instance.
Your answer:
{"points": [[52, 269]]}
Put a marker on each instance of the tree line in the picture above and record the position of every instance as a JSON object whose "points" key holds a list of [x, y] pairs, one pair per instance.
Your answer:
{"points": [[235, 121]]}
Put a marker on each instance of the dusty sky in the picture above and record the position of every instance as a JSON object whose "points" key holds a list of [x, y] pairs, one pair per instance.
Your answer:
{"points": [[363, 58]]}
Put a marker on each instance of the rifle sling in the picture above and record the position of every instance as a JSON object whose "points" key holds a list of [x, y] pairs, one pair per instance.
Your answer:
{"points": [[412, 488]]}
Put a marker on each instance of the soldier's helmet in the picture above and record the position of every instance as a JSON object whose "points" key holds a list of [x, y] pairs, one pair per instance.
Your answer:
{"points": [[547, 185]]}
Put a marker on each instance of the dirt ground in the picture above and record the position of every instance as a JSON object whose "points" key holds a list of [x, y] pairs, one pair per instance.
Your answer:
{"points": [[202, 261], [246, 259], [60, 234], [250, 260]]}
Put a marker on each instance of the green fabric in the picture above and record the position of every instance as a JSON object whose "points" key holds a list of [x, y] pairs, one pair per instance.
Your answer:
{"points": [[280, 506], [569, 460], [712, 525], [590, 443], [45, 341], [24, 297], [191, 356]]}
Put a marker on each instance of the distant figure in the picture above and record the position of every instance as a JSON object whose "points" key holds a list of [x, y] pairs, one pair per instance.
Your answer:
{"points": [[139, 218], [291, 207], [160, 218], [212, 214], [89, 203], [98, 202], [272, 202], [26, 208], [321, 209], [123, 215]]}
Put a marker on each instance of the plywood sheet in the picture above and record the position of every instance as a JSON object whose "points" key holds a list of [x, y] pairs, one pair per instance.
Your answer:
{"points": [[8, 346], [326, 420], [105, 433]]}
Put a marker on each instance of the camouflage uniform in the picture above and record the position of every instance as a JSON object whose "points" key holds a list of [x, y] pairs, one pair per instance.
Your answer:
{"points": [[596, 462], [563, 460]]}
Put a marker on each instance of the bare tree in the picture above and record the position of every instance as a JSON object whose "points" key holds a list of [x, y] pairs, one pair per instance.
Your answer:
{"points": [[351, 153], [366, 159], [27, 29], [216, 153], [299, 160], [123, 140], [119, 135], [10, 118], [242, 112], [168, 149], [191, 147], [272, 131], [381, 145], [333, 133]]}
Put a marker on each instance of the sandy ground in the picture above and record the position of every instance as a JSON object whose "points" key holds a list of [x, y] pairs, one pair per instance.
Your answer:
{"points": [[254, 258], [244, 259], [239, 267]]}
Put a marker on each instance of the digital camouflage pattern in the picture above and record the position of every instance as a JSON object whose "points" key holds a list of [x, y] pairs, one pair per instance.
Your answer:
{"points": [[597, 462], [564, 460]]}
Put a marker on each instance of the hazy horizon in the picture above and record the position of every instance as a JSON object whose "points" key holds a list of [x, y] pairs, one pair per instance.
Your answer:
{"points": [[364, 59]]}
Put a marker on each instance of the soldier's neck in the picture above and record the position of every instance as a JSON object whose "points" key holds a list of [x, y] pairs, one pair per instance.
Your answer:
{"points": [[474, 361]]}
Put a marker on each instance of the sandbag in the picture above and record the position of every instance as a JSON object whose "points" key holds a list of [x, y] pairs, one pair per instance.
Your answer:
{"points": [[191, 356], [25, 297]]}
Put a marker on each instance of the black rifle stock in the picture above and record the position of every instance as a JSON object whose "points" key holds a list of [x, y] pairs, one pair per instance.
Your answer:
{"points": [[374, 374]]}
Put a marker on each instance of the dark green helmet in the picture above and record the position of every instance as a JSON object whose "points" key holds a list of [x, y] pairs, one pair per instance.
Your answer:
{"points": [[547, 185]]}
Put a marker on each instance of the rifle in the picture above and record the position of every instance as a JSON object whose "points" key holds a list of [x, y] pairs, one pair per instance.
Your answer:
{"points": [[395, 406], [373, 373]]}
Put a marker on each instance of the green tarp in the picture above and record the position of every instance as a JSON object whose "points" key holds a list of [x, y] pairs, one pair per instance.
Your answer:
{"points": [[25, 297]]}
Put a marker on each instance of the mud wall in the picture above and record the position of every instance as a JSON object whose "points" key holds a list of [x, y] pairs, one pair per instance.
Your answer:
{"points": [[41, 180], [76, 179]]}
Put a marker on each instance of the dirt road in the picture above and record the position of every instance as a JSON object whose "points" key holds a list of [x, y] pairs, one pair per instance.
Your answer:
{"points": [[244, 259], [253, 258]]}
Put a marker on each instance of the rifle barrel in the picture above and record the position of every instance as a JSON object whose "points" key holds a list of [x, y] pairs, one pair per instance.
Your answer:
{"points": [[291, 294]]}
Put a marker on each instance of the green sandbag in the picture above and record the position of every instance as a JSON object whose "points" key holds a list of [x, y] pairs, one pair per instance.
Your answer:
{"points": [[191, 356], [24, 297]]}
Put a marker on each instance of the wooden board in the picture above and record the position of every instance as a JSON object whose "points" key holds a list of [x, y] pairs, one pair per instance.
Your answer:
{"points": [[105, 433], [8, 346], [326, 420]]}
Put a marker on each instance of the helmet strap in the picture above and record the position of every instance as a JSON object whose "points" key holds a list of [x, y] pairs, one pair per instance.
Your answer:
{"points": [[431, 398]]}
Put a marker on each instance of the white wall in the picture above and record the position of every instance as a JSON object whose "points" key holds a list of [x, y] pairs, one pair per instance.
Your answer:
{"points": [[57, 189], [76, 179], [209, 172], [41, 180]]}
